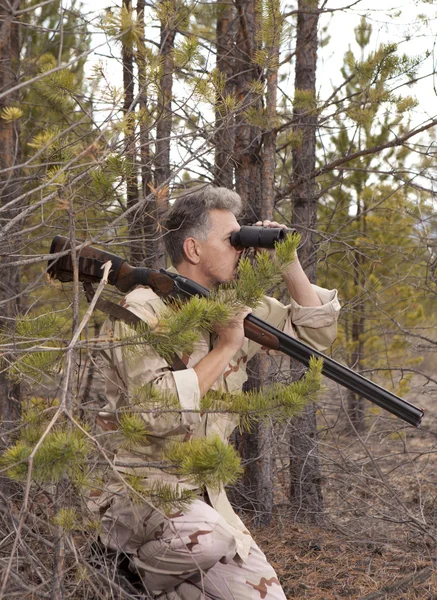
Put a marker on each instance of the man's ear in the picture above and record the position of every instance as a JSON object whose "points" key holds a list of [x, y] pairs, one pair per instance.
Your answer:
{"points": [[192, 251]]}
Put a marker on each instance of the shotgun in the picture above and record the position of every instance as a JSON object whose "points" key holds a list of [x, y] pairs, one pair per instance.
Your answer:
{"points": [[125, 277]]}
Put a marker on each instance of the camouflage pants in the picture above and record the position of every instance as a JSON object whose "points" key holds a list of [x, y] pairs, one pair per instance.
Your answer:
{"points": [[190, 555]]}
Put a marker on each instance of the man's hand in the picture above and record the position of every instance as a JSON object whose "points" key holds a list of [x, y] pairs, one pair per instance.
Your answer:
{"points": [[230, 340], [295, 278], [275, 225], [268, 223], [231, 335]]}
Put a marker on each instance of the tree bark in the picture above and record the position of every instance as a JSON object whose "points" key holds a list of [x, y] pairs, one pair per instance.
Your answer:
{"points": [[257, 450], [355, 402], [10, 154], [135, 249], [248, 138], [164, 127], [305, 480], [255, 176], [148, 214], [224, 142], [270, 135], [256, 485]]}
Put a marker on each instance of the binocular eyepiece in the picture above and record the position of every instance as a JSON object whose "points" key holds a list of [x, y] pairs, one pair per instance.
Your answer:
{"points": [[259, 237]]}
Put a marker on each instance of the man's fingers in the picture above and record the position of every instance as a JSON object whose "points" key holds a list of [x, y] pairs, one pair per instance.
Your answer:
{"points": [[244, 312], [241, 315], [267, 223]]}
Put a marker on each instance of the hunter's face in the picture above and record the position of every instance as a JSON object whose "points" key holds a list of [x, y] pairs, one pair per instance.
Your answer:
{"points": [[219, 260]]}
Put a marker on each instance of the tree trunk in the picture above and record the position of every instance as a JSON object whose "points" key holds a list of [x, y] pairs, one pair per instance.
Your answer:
{"points": [[255, 173], [256, 485], [164, 127], [224, 121], [248, 138], [10, 247], [305, 480], [147, 221], [269, 145], [130, 148], [355, 402]]}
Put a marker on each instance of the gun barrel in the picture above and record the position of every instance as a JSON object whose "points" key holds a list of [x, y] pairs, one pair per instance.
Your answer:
{"points": [[339, 373], [261, 332]]}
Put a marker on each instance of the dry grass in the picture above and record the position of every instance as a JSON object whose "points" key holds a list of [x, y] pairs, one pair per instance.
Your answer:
{"points": [[318, 564]]}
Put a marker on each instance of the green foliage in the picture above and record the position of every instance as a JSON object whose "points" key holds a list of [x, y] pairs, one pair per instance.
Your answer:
{"points": [[254, 280], [134, 430], [181, 324], [14, 461], [304, 100], [11, 113], [58, 87], [167, 497], [35, 416], [372, 80], [286, 250], [278, 402], [33, 339], [121, 23], [169, 12], [372, 221], [146, 396], [209, 86], [105, 179], [256, 87], [257, 118], [179, 327], [268, 37], [53, 146], [56, 178], [207, 461], [67, 519], [186, 53], [48, 28], [64, 452]]}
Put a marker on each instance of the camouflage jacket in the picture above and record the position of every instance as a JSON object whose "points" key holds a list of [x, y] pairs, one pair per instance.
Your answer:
{"points": [[126, 371]]}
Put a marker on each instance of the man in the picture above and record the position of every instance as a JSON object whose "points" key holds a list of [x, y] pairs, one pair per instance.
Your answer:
{"points": [[204, 550]]}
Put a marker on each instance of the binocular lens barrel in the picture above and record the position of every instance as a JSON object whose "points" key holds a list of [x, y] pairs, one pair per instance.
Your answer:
{"points": [[258, 237]]}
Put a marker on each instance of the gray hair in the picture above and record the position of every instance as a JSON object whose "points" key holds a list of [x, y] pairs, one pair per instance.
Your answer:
{"points": [[189, 216]]}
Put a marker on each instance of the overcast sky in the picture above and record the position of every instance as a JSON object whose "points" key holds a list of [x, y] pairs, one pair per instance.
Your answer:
{"points": [[392, 21]]}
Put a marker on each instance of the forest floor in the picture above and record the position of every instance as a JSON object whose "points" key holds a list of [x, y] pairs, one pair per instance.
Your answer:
{"points": [[378, 540], [316, 564]]}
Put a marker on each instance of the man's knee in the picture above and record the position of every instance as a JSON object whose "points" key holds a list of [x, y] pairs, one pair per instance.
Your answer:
{"points": [[194, 548]]}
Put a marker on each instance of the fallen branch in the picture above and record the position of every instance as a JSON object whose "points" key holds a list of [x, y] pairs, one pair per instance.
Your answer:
{"points": [[415, 578]]}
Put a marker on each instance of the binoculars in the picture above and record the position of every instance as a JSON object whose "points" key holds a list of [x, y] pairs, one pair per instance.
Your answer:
{"points": [[251, 236]]}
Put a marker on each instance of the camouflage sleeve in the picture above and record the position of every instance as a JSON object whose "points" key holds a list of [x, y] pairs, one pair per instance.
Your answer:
{"points": [[314, 325], [138, 370]]}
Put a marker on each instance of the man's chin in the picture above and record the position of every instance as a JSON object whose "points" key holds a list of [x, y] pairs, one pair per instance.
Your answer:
{"points": [[226, 281]]}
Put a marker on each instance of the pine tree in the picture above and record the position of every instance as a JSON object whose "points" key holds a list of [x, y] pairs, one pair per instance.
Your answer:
{"points": [[226, 28], [305, 479], [10, 184], [375, 222]]}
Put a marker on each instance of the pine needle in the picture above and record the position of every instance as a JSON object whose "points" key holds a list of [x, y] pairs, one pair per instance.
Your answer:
{"points": [[207, 461]]}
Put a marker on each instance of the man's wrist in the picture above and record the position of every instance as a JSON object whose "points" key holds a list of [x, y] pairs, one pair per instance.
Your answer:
{"points": [[228, 347]]}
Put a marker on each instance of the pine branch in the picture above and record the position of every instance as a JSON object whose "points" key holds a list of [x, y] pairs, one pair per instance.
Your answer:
{"points": [[278, 402], [208, 462]]}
